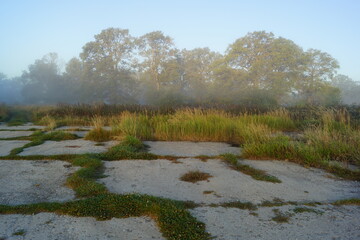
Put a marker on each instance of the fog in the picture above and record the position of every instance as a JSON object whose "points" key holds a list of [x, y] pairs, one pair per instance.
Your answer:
{"points": [[117, 68]]}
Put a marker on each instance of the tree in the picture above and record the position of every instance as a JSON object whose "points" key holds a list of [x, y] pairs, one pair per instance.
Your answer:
{"points": [[317, 69], [265, 62], [42, 81], [107, 67], [157, 50], [10, 90], [198, 75], [350, 89]]}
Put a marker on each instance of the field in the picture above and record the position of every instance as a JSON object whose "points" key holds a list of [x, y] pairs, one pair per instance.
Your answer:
{"points": [[229, 158]]}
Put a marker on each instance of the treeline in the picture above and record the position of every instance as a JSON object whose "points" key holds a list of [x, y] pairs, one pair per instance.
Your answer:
{"points": [[117, 68]]}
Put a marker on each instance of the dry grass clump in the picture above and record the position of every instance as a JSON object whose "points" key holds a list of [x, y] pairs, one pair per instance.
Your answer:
{"points": [[195, 176], [49, 122], [98, 134]]}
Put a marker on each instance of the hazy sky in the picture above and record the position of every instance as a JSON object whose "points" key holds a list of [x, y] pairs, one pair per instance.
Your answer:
{"points": [[33, 28]]}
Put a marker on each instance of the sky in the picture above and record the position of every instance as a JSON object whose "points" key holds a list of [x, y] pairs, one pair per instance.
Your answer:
{"points": [[32, 28]]}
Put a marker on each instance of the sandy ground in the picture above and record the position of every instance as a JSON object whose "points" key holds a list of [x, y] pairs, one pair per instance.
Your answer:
{"points": [[7, 145], [78, 146], [27, 126], [13, 134], [190, 149], [233, 224], [24, 182], [161, 178], [52, 227]]}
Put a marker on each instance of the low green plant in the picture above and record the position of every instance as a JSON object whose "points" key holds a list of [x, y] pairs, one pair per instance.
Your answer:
{"points": [[351, 201], [174, 221], [82, 181], [39, 137], [129, 148], [248, 170]]}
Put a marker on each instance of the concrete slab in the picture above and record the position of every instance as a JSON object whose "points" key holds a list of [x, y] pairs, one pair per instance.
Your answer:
{"points": [[80, 133], [161, 178], [27, 126], [78, 146], [52, 227], [234, 224], [70, 128], [13, 134], [7, 145], [24, 182], [190, 149]]}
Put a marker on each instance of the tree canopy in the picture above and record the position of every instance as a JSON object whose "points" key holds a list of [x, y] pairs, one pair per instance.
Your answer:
{"points": [[117, 68]]}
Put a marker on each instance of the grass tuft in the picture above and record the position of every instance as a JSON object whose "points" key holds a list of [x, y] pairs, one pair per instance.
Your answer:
{"points": [[281, 217], [195, 176]]}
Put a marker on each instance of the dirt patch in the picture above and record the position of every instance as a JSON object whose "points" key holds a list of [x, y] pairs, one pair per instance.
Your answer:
{"points": [[24, 182], [62, 147], [190, 149], [233, 224], [51, 226], [161, 178]]}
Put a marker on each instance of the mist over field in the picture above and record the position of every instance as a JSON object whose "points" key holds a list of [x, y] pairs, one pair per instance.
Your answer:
{"points": [[259, 68]]}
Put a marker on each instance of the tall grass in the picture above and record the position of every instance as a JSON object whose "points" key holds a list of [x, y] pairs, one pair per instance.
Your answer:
{"points": [[201, 125], [333, 140]]}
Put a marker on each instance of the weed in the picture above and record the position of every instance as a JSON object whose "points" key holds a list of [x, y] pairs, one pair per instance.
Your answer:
{"points": [[39, 138], [20, 232], [305, 209], [281, 217], [195, 176], [276, 202], [98, 134], [129, 148], [240, 205], [208, 192], [82, 181], [49, 122], [352, 201], [248, 170]]}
